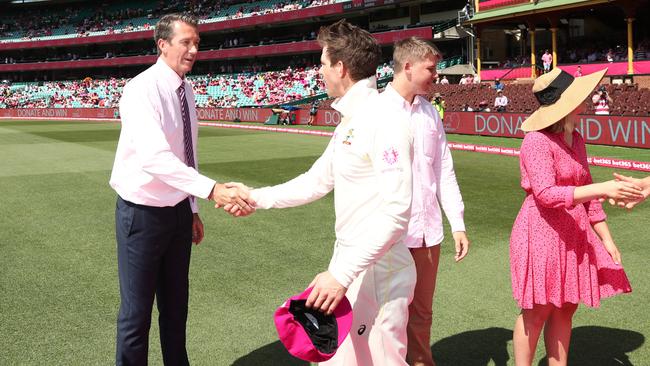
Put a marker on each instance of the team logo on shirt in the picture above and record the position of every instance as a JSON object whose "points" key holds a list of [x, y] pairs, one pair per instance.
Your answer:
{"points": [[349, 137], [391, 156]]}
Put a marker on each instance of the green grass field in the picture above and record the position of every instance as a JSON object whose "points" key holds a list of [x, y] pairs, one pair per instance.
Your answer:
{"points": [[58, 272]]}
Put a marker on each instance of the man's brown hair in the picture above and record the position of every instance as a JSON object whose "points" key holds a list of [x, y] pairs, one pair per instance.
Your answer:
{"points": [[412, 49], [165, 26], [353, 46]]}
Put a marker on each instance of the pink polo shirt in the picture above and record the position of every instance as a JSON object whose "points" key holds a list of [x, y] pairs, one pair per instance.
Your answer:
{"points": [[434, 180]]}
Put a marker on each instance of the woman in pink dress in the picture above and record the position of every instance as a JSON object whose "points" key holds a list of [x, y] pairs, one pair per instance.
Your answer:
{"points": [[561, 250]]}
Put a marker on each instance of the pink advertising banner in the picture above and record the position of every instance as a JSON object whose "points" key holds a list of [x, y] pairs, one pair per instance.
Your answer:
{"points": [[630, 131], [234, 114], [59, 113]]}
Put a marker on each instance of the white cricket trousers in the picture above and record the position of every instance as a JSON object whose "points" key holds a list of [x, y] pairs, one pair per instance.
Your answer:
{"points": [[380, 297]]}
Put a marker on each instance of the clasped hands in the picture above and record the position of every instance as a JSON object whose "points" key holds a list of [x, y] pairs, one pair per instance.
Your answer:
{"points": [[627, 191], [234, 198]]}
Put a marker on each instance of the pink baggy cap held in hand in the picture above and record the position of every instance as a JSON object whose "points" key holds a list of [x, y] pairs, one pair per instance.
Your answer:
{"points": [[309, 334]]}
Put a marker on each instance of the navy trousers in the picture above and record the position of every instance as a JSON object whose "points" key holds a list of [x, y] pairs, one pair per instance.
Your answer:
{"points": [[153, 258]]}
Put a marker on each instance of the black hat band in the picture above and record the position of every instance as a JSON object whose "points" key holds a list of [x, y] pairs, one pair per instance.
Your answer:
{"points": [[554, 90]]}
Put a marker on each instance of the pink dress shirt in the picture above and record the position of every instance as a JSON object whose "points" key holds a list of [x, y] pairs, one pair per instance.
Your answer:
{"points": [[150, 166], [434, 180]]}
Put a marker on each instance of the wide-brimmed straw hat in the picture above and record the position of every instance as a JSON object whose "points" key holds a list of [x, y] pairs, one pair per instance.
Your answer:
{"points": [[559, 93]]}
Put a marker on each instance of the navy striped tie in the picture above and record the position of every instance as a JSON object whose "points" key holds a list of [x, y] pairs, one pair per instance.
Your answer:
{"points": [[187, 129]]}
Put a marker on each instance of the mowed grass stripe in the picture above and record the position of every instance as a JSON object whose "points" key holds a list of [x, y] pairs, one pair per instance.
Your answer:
{"points": [[58, 272]]}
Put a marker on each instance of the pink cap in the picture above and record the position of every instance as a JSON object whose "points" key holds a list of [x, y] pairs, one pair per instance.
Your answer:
{"points": [[309, 334]]}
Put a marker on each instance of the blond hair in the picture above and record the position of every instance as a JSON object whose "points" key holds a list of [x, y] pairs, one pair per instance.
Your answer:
{"points": [[412, 49]]}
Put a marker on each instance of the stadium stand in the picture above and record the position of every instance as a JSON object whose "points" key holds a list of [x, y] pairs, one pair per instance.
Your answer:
{"points": [[287, 85], [254, 73], [221, 90], [123, 17]]}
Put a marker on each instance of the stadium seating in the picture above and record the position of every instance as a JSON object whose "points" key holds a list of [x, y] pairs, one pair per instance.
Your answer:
{"points": [[256, 89], [223, 90], [111, 19], [629, 100], [288, 85]]}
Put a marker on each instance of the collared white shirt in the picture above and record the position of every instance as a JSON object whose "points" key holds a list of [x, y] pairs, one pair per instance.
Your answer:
{"points": [[434, 180], [149, 167], [368, 164]]}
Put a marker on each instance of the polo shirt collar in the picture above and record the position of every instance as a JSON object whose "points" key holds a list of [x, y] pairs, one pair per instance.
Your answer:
{"points": [[347, 104], [395, 97]]}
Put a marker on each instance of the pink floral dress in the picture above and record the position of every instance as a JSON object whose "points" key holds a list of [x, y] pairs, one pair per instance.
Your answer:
{"points": [[555, 256]]}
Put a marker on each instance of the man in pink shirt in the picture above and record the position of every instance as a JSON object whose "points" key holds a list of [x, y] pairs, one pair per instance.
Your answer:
{"points": [[578, 72], [434, 184], [547, 60], [156, 178]]}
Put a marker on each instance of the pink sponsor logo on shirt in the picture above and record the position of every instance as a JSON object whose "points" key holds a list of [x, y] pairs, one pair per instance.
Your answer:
{"points": [[391, 156]]}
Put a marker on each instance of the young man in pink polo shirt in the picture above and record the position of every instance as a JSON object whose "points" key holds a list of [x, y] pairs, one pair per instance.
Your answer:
{"points": [[434, 184]]}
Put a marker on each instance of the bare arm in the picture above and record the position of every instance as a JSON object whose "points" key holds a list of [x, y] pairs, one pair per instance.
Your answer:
{"points": [[602, 229]]}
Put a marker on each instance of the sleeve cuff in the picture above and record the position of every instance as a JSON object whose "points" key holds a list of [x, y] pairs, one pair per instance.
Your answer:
{"points": [[456, 222], [341, 278], [206, 185], [459, 226], [597, 218], [568, 197], [596, 213], [261, 198]]}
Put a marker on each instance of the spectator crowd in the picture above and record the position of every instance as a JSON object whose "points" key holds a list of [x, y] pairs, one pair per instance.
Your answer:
{"points": [[256, 88], [120, 17], [220, 90]]}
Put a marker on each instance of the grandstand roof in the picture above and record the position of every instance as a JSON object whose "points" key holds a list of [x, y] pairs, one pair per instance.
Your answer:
{"points": [[529, 9]]}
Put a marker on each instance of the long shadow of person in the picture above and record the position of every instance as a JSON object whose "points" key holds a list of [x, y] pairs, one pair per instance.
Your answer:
{"points": [[473, 348], [601, 346], [273, 354]]}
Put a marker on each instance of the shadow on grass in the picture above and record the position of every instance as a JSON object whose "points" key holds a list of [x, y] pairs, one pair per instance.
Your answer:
{"points": [[473, 348], [590, 345], [273, 354], [601, 346]]}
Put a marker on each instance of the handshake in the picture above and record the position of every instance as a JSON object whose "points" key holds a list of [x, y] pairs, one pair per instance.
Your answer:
{"points": [[234, 198], [627, 191]]}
